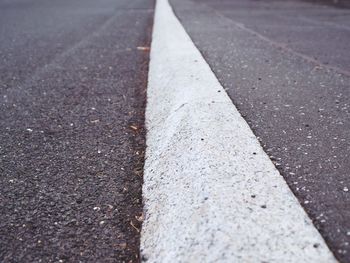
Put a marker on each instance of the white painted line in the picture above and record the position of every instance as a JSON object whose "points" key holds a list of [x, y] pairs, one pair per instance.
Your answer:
{"points": [[211, 193]]}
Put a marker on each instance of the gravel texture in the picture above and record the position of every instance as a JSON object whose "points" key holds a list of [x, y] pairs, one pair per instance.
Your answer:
{"points": [[72, 97]]}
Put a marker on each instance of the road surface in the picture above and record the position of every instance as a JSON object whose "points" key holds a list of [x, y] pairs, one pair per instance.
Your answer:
{"points": [[73, 84], [73, 76]]}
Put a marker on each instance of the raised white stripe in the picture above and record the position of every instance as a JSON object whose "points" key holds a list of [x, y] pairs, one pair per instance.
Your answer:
{"points": [[211, 193]]}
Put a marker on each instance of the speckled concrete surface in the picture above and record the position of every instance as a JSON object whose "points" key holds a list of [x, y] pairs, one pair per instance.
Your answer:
{"points": [[298, 107], [72, 95], [211, 193]]}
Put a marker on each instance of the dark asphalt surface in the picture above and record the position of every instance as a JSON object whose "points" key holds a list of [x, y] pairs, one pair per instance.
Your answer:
{"points": [[334, 3], [286, 66], [72, 97]]}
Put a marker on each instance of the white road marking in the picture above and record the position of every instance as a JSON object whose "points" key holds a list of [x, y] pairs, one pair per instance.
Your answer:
{"points": [[211, 193]]}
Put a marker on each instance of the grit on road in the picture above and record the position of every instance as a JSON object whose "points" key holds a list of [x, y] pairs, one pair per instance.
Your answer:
{"points": [[72, 96]]}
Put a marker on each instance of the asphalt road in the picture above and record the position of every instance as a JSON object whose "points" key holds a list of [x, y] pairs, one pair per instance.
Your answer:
{"points": [[73, 75], [286, 66]]}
